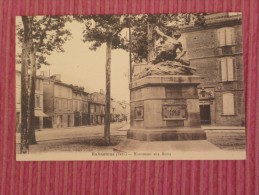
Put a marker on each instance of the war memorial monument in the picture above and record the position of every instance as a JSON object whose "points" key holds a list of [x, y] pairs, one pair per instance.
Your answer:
{"points": [[164, 98]]}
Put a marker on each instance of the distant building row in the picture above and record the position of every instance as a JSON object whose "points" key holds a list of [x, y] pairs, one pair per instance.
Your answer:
{"points": [[59, 105]]}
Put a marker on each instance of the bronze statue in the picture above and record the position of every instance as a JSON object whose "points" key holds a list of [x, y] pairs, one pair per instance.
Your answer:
{"points": [[167, 62], [169, 49]]}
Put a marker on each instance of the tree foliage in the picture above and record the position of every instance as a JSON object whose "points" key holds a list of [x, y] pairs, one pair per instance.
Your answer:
{"points": [[48, 34], [98, 29], [144, 36]]}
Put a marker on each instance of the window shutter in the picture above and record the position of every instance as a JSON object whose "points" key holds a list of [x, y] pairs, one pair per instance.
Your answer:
{"points": [[221, 37], [40, 101], [229, 36], [37, 102], [223, 69], [230, 69], [233, 37], [228, 104]]}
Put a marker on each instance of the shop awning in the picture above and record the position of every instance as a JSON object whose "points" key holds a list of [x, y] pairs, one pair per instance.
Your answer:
{"points": [[39, 113]]}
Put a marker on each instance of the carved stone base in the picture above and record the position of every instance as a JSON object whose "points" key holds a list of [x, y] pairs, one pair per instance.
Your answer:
{"points": [[165, 108]]}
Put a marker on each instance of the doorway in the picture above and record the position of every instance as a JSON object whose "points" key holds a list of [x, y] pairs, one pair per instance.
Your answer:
{"points": [[59, 121], [36, 122], [205, 114], [76, 119], [47, 122], [68, 120]]}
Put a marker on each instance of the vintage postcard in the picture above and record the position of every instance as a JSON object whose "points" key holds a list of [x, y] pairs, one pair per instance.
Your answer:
{"points": [[130, 87]]}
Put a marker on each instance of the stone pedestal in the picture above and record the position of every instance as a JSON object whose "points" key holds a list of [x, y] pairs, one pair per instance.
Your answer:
{"points": [[165, 108]]}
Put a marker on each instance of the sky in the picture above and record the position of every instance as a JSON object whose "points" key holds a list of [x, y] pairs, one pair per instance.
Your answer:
{"points": [[80, 66]]}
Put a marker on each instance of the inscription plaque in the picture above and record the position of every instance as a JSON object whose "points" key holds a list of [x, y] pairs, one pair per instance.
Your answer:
{"points": [[139, 113], [174, 112]]}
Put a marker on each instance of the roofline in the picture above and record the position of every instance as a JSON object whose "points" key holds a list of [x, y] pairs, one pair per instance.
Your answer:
{"points": [[37, 76], [215, 22]]}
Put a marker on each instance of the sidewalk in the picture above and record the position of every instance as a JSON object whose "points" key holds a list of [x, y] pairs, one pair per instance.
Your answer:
{"points": [[125, 128], [204, 127], [215, 128]]}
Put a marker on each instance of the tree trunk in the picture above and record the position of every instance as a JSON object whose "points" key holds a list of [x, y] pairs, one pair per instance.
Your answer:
{"points": [[32, 137], [26, 45], [24, 102], [151, 42], [108, 93]]}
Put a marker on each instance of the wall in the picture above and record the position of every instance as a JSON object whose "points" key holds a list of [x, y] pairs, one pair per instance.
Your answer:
{"points": [[203, 50]]}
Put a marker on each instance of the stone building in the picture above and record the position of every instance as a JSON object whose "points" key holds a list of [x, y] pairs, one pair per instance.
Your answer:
{"points": [[38, 110], [58, 103], [216, 51], [80, 106], [85, 109], [96, 107]]}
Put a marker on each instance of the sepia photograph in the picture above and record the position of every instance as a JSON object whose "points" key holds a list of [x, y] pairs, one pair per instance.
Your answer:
{"points": [[130, 87]]}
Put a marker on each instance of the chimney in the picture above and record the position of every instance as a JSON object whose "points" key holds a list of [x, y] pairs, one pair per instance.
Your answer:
{"points": [[56, 77]]}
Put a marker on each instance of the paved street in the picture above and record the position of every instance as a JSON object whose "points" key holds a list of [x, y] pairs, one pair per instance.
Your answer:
{"points": [[90, 138], [83, 138], [75, 132]]}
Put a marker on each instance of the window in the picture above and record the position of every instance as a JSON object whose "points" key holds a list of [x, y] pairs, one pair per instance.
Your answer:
{"points": [[37, 101], [86, 107], [38, 85], [70, 107], [227, 69], [76, 105], [228, 104], [226, 36], [92, 109], [18, 95], [17, 118], [82, 106], [65, 104], [59, 104], [59, 90]]}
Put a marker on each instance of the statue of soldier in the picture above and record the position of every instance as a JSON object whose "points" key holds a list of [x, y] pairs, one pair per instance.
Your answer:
{"points": [[170, 47]]}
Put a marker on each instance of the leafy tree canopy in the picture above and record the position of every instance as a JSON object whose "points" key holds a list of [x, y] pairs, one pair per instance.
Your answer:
{"points": [[100, 29], [143, 25], [48, 34]]}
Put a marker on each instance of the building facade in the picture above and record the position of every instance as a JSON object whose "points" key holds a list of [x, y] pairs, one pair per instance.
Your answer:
{"points": [[39, 115], [216, 51], [96, 108], [85, 109], [80, 106], [58, 103]]}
